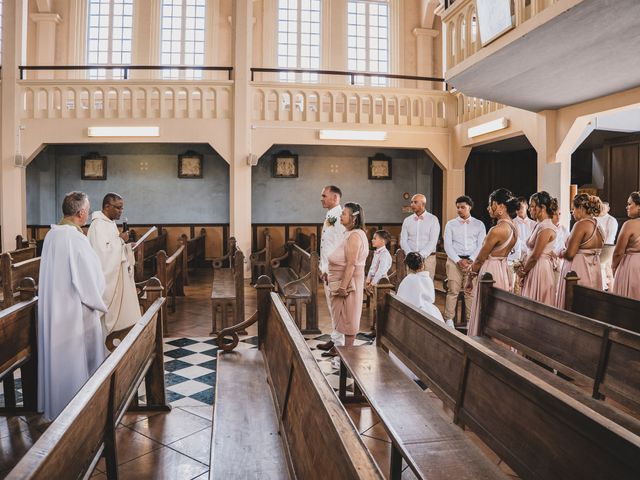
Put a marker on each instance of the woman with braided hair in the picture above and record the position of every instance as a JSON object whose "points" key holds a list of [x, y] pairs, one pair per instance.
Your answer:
{"points": [[582, 252]]}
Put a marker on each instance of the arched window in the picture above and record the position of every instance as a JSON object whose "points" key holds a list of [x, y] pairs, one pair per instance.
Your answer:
{"points": [[109, 35], [299, 38], [182, 37], [368, 39]]}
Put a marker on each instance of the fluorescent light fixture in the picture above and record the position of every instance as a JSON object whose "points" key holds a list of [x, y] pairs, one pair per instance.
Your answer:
{"points": [[123, 131], [484, 128], [352, 135]]}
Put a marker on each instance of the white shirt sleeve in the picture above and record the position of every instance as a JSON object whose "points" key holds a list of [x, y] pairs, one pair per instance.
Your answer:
{"points": [[448, 243], [434, 233], [612, 229], [383, 266], [404, 236]]}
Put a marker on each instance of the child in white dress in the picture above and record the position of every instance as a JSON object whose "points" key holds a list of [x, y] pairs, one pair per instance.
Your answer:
{"points": [[417, 287]]}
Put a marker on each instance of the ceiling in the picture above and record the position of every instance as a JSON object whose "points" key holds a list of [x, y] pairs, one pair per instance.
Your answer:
{"points": [[589, 51]]}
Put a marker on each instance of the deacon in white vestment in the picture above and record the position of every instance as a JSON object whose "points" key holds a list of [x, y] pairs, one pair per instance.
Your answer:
{"points": [[610, 228], [70, 339], [117, 261], [332, 236], [420, 233]]}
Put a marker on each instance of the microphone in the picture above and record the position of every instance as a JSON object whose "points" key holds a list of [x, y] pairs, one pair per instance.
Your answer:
{"points": [[125, 225]]}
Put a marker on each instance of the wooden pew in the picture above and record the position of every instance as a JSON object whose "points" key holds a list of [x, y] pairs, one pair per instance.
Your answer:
{"points": [[226, 260], [12, 275], [275, 414], [261, 259], [227, 294], [296, 276], [148, 250], [171, 277], [22, 254], [604, 357], [537, 430], [86, 429], [19, 349], [620, 311], [305, 241], [194, 254], [21, 242]]}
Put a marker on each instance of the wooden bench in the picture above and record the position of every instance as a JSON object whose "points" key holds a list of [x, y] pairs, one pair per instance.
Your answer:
{"points": [[19, 350], [194, 252], [147, 251], [226, 260], [275, 415], [536, 429], [296, 277], [227, 294], [620, 311], [85, 431], [171, 275], [601, 356], [12, 274], [261, 259], [307, 242]]}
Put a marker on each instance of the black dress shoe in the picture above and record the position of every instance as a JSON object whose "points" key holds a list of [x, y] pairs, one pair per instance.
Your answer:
{"points": [[369, 335], [325, 346], [330, 353]]}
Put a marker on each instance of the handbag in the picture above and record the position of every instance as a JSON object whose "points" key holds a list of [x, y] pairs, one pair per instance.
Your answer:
{"points": [[335, 285]]}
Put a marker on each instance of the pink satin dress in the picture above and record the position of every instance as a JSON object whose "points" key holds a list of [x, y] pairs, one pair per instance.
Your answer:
{"points": [[627, 278], [347, 310], [539, 284], [497, 267], [586, 264]]}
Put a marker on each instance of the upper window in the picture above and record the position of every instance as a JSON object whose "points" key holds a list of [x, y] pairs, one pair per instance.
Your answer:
{"points": [[368, 39], [299, 38], [182, 38], [109, 36]]}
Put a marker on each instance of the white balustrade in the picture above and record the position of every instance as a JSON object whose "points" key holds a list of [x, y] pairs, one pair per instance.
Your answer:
{"points": [[463, 38], [472, 107], [354, 105], [46, 99]]}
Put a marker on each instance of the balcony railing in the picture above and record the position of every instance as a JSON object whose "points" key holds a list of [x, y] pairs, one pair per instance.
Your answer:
{"points": [[462, 35], [124, 70], [135, 99], [472, 107]]}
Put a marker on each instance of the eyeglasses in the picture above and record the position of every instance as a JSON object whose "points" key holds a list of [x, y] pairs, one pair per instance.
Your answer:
{"points": [[116, 207]]}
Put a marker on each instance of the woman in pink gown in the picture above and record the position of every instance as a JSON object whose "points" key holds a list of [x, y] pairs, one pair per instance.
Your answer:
{"points": [[582, 254], [492, 257], [537, 271], [346, 273], [626, 256]]}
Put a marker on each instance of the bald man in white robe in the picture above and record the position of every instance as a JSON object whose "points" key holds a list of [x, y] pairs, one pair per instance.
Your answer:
{"points": [[117, 260], [70, 340]]}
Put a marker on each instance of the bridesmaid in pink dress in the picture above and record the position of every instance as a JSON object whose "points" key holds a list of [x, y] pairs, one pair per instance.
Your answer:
{"points": [[492, 257], [346, 265], [626, 256], [582, 254], [538, 268]]}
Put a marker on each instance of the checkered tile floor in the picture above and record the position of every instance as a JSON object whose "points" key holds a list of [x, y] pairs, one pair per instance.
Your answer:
{"points": [[190, 368]]}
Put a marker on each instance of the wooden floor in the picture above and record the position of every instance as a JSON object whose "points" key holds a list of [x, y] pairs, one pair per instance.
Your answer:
{"points": [[176, 445]]}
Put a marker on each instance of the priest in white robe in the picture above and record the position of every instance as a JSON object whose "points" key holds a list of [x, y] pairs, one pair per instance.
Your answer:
{"points": [[117, 259], [70, 339]]}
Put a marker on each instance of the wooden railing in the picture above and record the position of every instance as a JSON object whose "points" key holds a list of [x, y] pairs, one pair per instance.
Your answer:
{"points": [[462, 38], [469, 108]]}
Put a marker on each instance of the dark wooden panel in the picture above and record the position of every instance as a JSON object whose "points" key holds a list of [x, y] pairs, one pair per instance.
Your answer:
{"points": [[623, 312], [624, 175]]}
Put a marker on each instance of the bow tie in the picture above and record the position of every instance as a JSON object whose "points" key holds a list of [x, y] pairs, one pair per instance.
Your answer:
{"points": [[418, 217], [464, 221]]}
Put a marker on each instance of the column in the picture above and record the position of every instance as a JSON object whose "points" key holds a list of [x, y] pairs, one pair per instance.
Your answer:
{"points": [[453, 188], [45, 41], [424, 52], [240, 170], [334, 36], [13, 199]]}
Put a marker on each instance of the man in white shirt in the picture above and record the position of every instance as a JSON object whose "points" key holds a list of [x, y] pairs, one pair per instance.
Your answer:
{"points": [[420, 233], [70, 338], [463, 237], [332, 235], [610, 227], [116, 257], [525, 228]]}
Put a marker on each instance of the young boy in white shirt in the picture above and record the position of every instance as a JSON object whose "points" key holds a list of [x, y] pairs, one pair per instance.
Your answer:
{"points": [[381, 262], [417, 287]]}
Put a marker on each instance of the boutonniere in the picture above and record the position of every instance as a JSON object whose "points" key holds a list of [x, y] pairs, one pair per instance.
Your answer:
{"points": [[331, 221]]}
